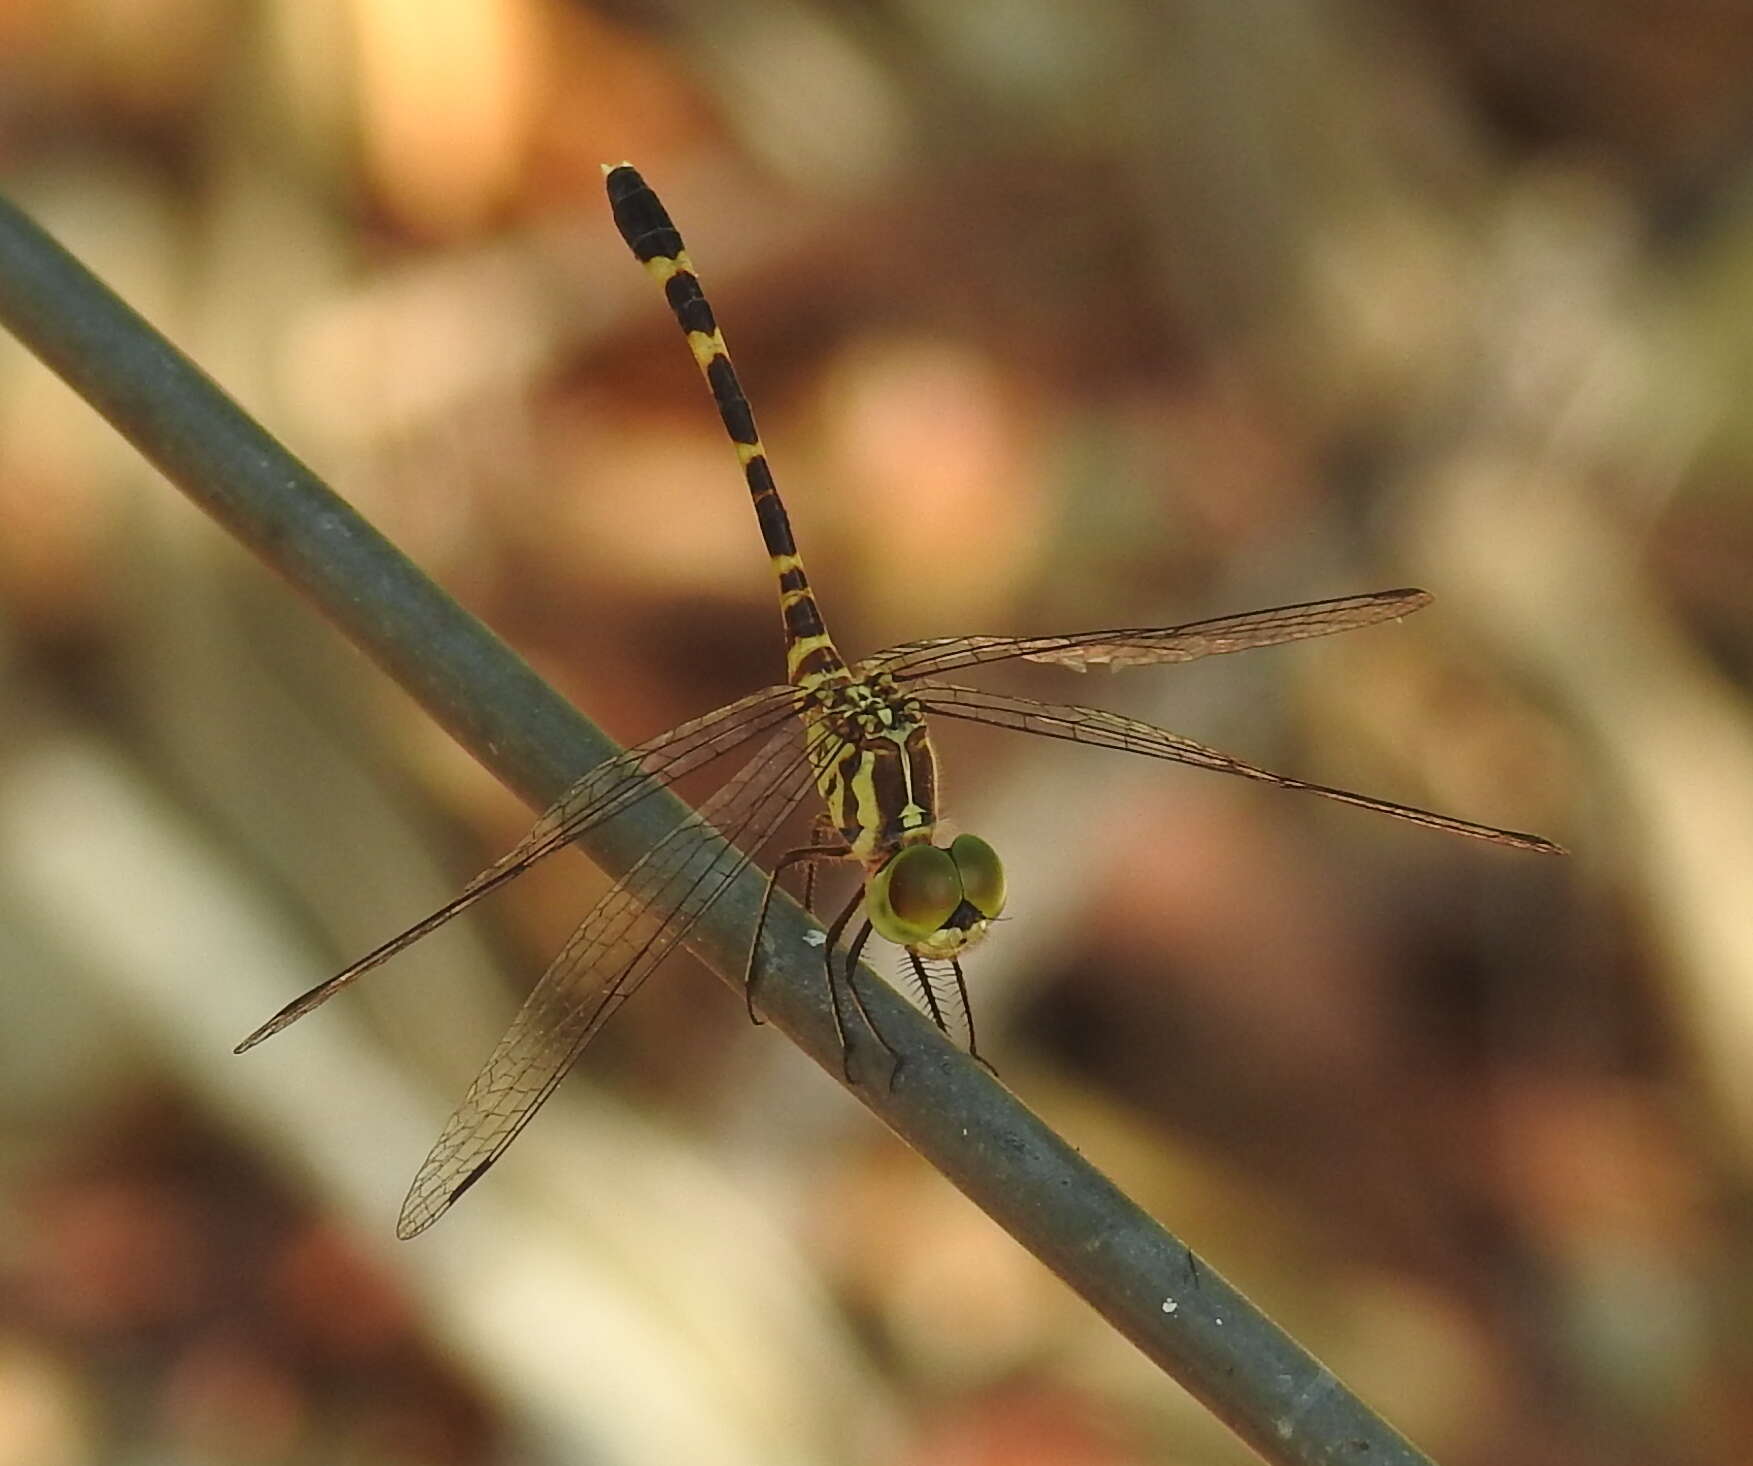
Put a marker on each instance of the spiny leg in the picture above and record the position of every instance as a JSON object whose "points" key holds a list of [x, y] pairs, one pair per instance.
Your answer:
{"points": [[852, 987], [835, 928], [809, 854], [835, 931], [928, 991], [822, 833], [968, 1015]]}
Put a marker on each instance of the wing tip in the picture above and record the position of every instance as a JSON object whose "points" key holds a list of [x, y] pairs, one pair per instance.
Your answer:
{"points": [[420, 1211], [266, 1031]]}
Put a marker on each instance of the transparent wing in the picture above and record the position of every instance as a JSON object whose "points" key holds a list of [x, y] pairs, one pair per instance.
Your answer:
{"points": [[1143, 646], [606, 791], [1111, 730], [603, 964]]}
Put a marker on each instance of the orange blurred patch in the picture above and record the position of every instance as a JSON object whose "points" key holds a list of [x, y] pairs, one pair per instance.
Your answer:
{"points": [[447, 99]]}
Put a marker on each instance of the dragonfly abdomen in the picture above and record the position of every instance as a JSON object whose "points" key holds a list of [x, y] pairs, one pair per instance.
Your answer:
{"points": [[810, 655]]}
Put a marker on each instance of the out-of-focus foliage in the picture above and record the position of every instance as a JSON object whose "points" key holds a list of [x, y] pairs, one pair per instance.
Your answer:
{"points": [[1055, 317]]}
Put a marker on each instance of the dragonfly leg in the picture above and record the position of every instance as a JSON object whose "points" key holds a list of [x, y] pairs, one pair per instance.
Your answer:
{"points": [[807, 856], [968, 1013], [834, 931], [934, 1006], [830, 845], [928, 992], [834, 934], [858, 1002]]}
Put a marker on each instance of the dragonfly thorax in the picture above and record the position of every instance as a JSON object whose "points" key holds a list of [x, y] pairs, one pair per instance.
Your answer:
{"points": [[875, 767]]}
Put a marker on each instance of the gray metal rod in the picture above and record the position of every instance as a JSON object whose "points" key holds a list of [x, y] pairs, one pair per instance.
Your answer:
{"points": [[1148, 1284]]}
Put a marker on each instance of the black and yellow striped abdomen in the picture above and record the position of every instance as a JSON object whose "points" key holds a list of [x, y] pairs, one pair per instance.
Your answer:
{"points": [[867, 743], [810, 656]]}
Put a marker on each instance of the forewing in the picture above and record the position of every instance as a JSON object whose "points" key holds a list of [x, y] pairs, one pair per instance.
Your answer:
{"points": [[609, 789], [1143, 646], [603, 964], [1111, 730]]}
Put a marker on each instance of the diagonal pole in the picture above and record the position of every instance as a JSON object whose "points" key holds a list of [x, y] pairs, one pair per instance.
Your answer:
{"points": [[1175, 1307]]}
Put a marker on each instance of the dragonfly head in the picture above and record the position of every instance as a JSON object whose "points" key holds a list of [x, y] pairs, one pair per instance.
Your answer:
{"points": [[936, 900]]}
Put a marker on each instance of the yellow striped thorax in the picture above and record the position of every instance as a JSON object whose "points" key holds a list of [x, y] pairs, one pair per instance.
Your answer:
{"points": [[875, 767]]}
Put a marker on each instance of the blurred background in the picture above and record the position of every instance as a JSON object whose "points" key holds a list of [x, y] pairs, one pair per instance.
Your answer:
{"points": [[1055, 317]]}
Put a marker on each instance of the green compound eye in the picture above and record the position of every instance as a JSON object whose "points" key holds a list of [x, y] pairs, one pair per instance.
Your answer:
{"points": [[981, 872], [914, 894]]}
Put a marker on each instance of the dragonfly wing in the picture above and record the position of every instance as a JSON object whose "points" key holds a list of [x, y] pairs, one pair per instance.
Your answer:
{"points": [[1144, 646], [604, 963], [1104, 729], [609, 789]]}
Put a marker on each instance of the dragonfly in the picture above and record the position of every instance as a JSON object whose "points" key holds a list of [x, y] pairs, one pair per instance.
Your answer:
{"points": [[854, 733]]}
